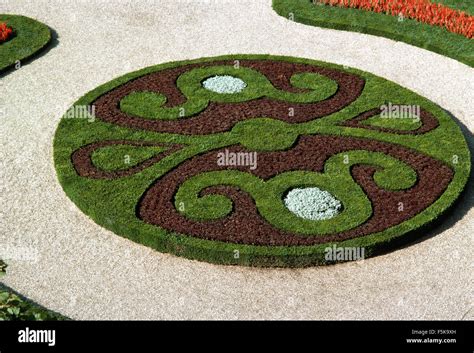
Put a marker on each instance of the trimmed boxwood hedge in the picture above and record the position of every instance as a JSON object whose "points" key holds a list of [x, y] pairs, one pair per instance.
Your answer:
{"points": [[112, 203]]}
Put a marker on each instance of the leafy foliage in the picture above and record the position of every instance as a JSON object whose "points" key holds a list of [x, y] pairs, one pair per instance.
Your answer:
{"points": [[13, 307]]}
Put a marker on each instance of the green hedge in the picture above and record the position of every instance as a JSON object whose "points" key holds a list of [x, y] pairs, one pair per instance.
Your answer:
{"points": [[112, 203]]}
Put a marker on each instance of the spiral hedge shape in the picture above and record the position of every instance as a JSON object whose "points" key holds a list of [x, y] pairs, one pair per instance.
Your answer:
{"points": [[145, 159]]}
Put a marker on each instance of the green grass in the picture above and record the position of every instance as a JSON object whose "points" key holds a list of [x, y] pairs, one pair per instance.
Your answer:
{"points": [[336, 179], [29, 37], [148, 105], [111, 203], [405, 124], [462, 5], [122, 157], [429, 37]]}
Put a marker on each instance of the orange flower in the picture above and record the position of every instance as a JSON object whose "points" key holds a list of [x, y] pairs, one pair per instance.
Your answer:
{"points": [[5, 32], [421, 10]]}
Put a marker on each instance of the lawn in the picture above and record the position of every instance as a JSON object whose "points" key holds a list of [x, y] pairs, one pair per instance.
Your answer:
{"points": [[29, 37], [423, 35]]}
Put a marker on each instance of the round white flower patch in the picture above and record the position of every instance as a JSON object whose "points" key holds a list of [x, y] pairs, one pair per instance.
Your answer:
{"points": [[224, 84], [312, 203]]}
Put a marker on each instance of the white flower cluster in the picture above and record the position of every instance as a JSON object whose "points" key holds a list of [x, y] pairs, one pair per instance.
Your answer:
{"points": [[312, 203], [224, 84]]}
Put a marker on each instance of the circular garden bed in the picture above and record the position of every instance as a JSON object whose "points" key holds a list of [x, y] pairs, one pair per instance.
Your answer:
{"points": [[27, 37], [260, 160]]}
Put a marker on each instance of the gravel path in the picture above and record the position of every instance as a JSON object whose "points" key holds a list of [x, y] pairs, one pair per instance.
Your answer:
{"points": [[73, 266]]}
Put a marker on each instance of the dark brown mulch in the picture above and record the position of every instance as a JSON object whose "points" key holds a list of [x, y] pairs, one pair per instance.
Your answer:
{"points": [[82, 159], [219, 117], [245, 225]]}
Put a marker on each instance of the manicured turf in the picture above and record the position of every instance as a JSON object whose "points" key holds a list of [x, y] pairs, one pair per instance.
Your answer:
{"points": [[121, 187], [462, 5], [433, 38], [29, 37], [401, 124]]}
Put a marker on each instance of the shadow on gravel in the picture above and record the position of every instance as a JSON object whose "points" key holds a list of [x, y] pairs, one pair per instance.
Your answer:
{"points": [[32, 303]]}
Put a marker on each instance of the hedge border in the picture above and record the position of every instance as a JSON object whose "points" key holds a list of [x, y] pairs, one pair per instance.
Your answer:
{"points": [[223, 253]]}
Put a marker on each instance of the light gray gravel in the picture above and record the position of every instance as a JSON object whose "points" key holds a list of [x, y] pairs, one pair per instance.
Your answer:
{"points": [[68, 263]]}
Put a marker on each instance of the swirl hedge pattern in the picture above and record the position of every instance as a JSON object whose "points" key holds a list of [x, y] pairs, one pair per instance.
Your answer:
{"points": [[203, 173]]}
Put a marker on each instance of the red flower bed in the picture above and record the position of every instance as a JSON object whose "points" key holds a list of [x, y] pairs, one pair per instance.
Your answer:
{"points": [[421, 10], [5, 32]]}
